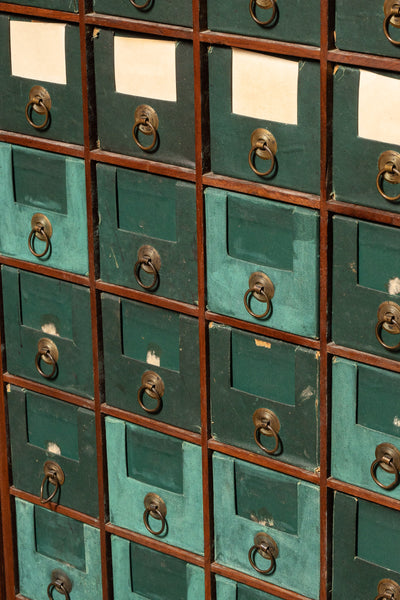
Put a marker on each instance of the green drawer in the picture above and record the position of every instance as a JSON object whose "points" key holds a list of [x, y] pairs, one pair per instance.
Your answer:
{"points": [[49, 542], [142, 462], [176, 13], [250, 373], [164, 82], [42, 430], [231, 590], [40, 308], [138, 210], [365, 128], [139, 339], [26, 64], [366, 548], [279, 95], [248, 235], [249, 500], [34, 184], [366, 274], [140, 573]]}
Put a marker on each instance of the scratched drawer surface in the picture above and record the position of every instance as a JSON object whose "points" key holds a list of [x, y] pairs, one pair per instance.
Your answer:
{"points": [[231, 590], [176, 13]]}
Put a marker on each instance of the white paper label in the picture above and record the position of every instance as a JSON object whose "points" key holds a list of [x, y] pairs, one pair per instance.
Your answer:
{"points": [[264, 87], [145, 68], [38, 51], [378, 114]]}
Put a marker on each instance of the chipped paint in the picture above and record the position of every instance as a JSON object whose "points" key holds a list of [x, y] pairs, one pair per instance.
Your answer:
{"points": [[114, 257], [266, 522], [8, 387], [211, 325], [152, 358], [307, 393], [96, 33], [53, 448], [396, 422], [394, 286], [262, 344], [50, 328], [353, 267], [317, 355]]}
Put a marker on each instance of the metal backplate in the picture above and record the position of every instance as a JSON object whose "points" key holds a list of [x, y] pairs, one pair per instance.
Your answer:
{"points": [[260, 279], [148, 253], [390, 451], [264, 3], [387, 158], [388, 7], [40, 221], [263, 136], [387, 588], [150, 380], [152, 499], [59, 577], [262, 416], [144, 111], [45, 346], [52, 469], [263, 539], [388, 310], [37, 92]]}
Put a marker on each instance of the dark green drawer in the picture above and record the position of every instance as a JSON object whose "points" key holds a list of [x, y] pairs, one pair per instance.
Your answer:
{"points": [[231, 590], [138, 210], [25, 64], [140, 338], [132, 71], [250, 90], [176, 13], [40, 308], [253, 376]]}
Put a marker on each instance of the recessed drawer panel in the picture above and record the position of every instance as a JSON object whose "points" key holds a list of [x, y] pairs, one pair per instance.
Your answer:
{"points": [[264, 118], [148, 232], [48, 331], [231, 590], [250, 503], [247, 236], [176, 13]]}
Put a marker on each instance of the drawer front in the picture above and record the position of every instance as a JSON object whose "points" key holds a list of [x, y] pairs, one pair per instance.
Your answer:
{"points": [[249, 500], [49, 542], [38, 308], [277, 95], [47, 55], [231, 590], [237, 229], [135, 456], [253, 376], [44, 430], [139, 339], [177, 13], [138, 211], [366, 274], [135, 71], [365, 548], [366, 133], [42, 190], [140, 573]]}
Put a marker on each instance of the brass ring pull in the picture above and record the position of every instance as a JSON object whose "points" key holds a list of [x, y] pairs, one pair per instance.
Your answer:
{"points": [[37, 102], [394, 12], [261, 291], [257, 432], [53, 474], [261, 146], [145, 121], [41, 231], [40, 228], [48, 355], [149, 260], [388, 590], [274, 7], [141, 6], [48, 352], [388, 168], [136, 270], [153, 385], [378, 333], [388, 459], [155, 507], [60, 589], [152, 388], [267, 548], [61, 583], [262, 288]]}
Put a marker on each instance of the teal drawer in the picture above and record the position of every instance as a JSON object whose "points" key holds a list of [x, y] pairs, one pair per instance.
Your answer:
{"points": [[247, 235], [137, 211], [249, 500], [136, 71], [177, 13], [366, 548], [231, 590], [143, 344], [36, 184], [45, 430], [45, 316], [44, 54], [49, 542], [365, 130], [366, 275], [140, 573], [251, 91], [253, 376], [142, 464]]}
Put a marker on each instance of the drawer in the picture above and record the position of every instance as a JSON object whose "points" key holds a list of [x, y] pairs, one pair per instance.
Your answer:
{"points": [[140, 573], [48, 331], [41, 76], [249, 501], [177, 13], [147, 217], [256, 380], [155, 484], [366, 134], [53, 449], [43, 191], [267, 129], [366, 276], [50, 543], [365, 433], [366, 549], [144, 346], [146, 85], [288, 21], [231, 590], [247, 236]]}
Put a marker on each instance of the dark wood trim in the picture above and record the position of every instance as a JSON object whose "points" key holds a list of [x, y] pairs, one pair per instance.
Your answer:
{"points": [[369, 61], [363, 357], [136, 25], [364, 212], [24, 265], [41, 388], [40, 13], [354, 490], [30, 141]]}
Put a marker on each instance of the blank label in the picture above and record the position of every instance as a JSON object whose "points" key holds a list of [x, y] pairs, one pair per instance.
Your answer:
{"points": [[378, 115]]}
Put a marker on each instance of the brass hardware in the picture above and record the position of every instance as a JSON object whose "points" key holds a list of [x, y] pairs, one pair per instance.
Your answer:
{"points": [[388, 590], [53, 474], [146, 121], [387, 457], [141, 6], [389, 320], [149, 260], [263, 145], [154, 387], [40, 102], [48, 352], [266, 4], [267, 423], [154, 507], [391, 8], [266, 546], [262, 288], [61, 583], [389, 170], [42, 230]]}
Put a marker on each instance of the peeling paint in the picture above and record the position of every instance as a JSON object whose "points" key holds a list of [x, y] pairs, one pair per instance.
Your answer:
{"points": [[396, 422], [53, 448], [394, 286], [266, 522], [211, 325], [317, 355], [262, 344], [50, 328], [96, 33], [353, 267], [307, 393], [152, 358], [8, 387]]}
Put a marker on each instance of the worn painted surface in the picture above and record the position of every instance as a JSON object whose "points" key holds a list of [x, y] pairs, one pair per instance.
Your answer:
{"points": [[230, 590], [177, 13]]}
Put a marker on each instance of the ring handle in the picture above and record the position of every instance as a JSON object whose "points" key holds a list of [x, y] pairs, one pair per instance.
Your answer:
{"points": [[149, 260], [155, 507], [393, 12], [272, 4], [54, 474], [146, 121], [38, 359], [145, 388], [141, 6], [261, 146], [37, 102], [61, 583], [378, 333], [40, 102], [153, 385], [257, 432], [387, 457], [137, 268], [48, 352], [262, 288], [266, 546], [379, 178], [249, 293], [32, 234], [41, 228], [267, 423]]}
